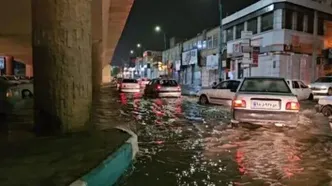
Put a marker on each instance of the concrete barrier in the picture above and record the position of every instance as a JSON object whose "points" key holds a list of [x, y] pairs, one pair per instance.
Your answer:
{"points": [[113, 167]]}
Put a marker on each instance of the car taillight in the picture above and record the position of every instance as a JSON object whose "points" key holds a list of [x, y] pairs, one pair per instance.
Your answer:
{"points": [[293, 106], [123, 86], [158, 87], [238, 103]]}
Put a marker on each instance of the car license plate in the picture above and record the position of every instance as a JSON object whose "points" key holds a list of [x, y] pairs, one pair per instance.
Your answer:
{"points": [[270, 105]]}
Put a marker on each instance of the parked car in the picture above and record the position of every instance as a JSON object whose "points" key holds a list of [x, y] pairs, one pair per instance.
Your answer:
{"points": [[324, 106], [222, 93], [129, 86], [322, 87], [265, 101], [300, 89], [161, 87]]}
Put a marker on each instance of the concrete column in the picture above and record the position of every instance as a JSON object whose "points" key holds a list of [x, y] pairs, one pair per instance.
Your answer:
{"points": [[245, 26], [314, 52], [62, 65], [9, 66]]}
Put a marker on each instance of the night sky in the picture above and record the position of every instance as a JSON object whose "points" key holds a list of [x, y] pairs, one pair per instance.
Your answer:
{"points": [[179, 18]]}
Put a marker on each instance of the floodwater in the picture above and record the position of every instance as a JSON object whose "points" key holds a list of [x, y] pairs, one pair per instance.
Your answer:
{"points": [[185, 144]]}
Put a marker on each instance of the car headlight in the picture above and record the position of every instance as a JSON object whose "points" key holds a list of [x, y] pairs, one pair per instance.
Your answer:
{"points": [[9, 93], [323, 87], [309, 86]]}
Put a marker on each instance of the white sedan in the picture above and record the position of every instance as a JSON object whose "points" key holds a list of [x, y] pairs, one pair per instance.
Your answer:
{"points": [[265, 101], [221, 94], [300, 89], [129, 86]]}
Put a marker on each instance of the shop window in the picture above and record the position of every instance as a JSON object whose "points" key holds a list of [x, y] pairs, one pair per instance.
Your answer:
{"points": [[288, 19], [229, 34], [239, 28], [300, 21], [252, 26], [267, 22]]}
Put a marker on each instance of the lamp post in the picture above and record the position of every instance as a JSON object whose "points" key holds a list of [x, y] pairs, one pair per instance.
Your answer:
{"points": [[221, 40], [158, 30]]}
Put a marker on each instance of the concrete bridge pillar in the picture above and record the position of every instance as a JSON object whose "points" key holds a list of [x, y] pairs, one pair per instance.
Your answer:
{"points": [[62, 63]]}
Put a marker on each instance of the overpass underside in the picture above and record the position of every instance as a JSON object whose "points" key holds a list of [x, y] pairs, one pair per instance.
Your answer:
{"points": [[67, 45]]}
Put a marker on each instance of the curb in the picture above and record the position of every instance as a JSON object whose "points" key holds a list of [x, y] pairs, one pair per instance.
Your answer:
{"points": [[112, 168]]}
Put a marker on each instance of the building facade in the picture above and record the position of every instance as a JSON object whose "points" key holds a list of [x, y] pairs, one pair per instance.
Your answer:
{"points": [[284, 38], [172, 59]]}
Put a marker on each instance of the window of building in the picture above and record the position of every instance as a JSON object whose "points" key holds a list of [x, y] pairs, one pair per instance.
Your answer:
{"points": [[252, 26], [204, 44], [267, 22], [199, 44], [300, 22], [320, 27], [209, 42], [288, 19], [215, 40], [229, 34], [238, 30], [310, 24]]}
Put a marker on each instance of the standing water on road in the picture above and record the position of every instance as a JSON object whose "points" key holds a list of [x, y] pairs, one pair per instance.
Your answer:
{"points": [[184, 143]]}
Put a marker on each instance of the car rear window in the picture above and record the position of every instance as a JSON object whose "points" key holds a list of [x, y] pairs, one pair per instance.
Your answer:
{"points": [[170, 83], [265, 85], [324, 80], [129, 81]]}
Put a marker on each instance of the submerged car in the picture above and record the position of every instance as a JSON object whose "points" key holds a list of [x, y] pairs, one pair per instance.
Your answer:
{"points": [[322, 87], [265, 101], [161, 87], [129, 86], [324, 106]]}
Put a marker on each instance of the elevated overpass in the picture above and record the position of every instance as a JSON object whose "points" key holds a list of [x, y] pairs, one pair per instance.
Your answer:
{"points": [[67, 46]]}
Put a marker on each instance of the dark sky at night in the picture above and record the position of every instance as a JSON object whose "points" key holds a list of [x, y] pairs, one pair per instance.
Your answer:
{"points": [[179, 18]]}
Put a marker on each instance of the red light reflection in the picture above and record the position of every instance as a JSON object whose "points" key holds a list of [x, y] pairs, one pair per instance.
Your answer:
{"points": [[123, 99]]}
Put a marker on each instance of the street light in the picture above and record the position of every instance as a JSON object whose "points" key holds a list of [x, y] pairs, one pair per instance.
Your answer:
{"points": [[158, 29], [131, 52], [139, 45]]}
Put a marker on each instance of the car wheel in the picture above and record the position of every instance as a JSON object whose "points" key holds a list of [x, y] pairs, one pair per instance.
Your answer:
{"points": [[327, 111], [329, 92], [311, 97], [203, 100], [26, 94]]}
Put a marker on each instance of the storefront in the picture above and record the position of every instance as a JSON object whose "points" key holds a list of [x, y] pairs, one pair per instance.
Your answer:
{"points": [[190, 72], [211, 71]]}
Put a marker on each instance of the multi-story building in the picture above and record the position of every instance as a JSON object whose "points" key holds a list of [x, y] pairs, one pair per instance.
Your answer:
{"points": [[283, 38], [209, 58], [172, 59], [288, 37], [152, 64]]}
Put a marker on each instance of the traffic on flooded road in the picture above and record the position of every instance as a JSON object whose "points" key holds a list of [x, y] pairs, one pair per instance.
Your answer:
{"points": [[185, 143]]}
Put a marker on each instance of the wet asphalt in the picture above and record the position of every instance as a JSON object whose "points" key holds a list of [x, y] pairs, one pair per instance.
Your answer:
{"points": [[183, 143]]}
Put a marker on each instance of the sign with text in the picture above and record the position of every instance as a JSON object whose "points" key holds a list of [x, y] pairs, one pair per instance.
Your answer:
{"points": [[190, 57], [255, 54], [212, 62]]}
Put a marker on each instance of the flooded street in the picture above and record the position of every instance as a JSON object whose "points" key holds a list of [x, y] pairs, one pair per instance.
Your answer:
{"points": [[184, 143]]}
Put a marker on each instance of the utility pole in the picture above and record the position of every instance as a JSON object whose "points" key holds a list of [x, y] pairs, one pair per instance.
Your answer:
{"points": [[221, 40]]}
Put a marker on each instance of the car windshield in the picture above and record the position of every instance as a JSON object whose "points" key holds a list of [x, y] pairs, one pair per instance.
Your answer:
{"points": [[265, 85], [324, 80], [129, 81], [170, 83]]}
